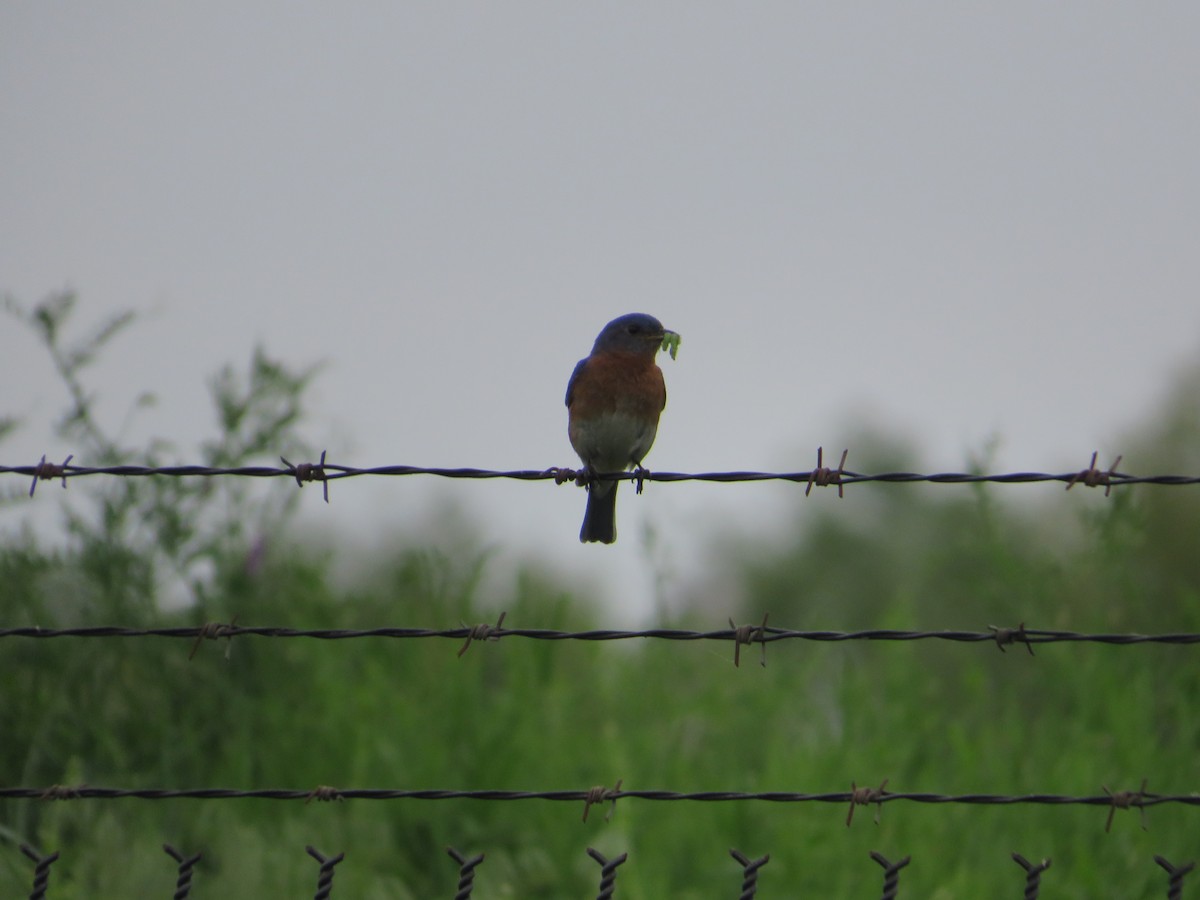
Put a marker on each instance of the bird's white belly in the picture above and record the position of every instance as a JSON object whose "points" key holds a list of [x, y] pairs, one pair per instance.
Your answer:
{"points": [[613, 441]]}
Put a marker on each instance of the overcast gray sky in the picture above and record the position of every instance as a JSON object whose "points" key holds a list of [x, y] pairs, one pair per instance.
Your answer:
{"points": [[956, 220]]}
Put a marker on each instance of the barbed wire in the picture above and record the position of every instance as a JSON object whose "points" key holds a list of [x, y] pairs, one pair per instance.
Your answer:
{"points": [[608, 871], [762, 634], [821, 476], [1112, 800], [1141, 799]]}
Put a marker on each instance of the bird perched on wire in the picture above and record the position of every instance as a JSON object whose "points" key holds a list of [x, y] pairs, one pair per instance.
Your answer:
{"points": [[614, 399]]}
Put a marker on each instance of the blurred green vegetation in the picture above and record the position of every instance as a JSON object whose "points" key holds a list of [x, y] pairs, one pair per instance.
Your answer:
{"points": [[529, 715]]}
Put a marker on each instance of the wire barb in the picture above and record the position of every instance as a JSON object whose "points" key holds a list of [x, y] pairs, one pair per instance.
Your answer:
{"points": [[1005, 636], [63, 792], [749, 873], [823, 476], [1092, 477], [482, 632], [466, 872], [639, 476], [212, 631], [748, 634], [324, 793], [309, 472], [1124, 800], [861, 796], [41, 870], [45, 471], [608, 872], [1033, 874], [560, 475], [1175, 877], [325, 876], [891, 873], [183, 883], [602, 794]]}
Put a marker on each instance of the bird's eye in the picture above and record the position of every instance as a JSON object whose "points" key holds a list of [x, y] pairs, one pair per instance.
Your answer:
{"points": [[632, 329]]}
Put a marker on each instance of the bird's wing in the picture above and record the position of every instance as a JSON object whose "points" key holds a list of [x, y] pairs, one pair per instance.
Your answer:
{"points": [[579, 367]]}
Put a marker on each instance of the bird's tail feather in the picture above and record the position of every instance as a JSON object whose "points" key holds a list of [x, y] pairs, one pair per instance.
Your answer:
{"points": [[600, 520]]}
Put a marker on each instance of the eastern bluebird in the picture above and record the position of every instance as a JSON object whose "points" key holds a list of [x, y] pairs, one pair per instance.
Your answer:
{"points": [[614, 399]]}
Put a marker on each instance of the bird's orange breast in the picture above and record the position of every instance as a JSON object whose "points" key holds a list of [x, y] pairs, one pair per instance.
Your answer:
{"points": [[629, 384]]}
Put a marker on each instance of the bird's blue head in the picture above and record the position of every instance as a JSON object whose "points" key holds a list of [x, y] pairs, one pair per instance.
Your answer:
{"points": [[633, 333]]}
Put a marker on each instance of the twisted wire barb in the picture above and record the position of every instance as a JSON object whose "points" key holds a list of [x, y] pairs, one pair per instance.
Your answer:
{"points": [[608, 872], [891, 873], [466, 873], [1033, 875], [183, 884], [41, 870], [325, 875], [1174, 876], [750, 869]]}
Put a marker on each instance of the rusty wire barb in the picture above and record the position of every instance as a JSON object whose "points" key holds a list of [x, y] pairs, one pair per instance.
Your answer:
{"points": [[1174, 877], [891, 873], [482, 632], [1006, 636], [823, 476], [214, 630], [323, 793], [559, 475], [861, 796], [62, 792], [325, 875], [1125, 800], [602, 794], [1033, 874], [326, 471], [466, 872], [310, 472], [761, 633], [748, 634], [749, 873], [608, 872], [1092, 477], [183, 883], [45, 471], [41, 870]]}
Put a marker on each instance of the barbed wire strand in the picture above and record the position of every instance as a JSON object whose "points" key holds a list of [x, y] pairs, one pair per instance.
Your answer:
{"points": [[1112, 801], [821, 476], [757, 633]]}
